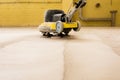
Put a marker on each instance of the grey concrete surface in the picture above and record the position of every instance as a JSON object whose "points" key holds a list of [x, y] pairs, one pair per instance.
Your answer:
{"points": [[26, 55]]}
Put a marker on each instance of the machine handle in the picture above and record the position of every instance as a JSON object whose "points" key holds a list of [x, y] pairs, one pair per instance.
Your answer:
{"points": [[80, 4]]}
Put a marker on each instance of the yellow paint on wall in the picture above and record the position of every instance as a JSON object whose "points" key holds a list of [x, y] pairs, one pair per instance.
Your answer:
{"points": [[66, 5], [103, 11], [116, 6], [32, 14], [24, 14]]}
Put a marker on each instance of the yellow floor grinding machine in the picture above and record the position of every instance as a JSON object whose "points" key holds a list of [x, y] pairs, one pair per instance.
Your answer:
{"points": [[59, 23]]}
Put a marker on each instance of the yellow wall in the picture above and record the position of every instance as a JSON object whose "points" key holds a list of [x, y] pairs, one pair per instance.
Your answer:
{"points": [[25, 14], [91, 11], [66, 5], [31, 12]]}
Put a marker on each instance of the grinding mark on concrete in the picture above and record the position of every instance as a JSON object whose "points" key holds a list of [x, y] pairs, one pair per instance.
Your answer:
{"points": [[16, 40], [65, 46], [67, 41], [4, 44]]}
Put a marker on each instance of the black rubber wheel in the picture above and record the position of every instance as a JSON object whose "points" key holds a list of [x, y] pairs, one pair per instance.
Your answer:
{"points": [[78, 27], [66, 31], [49, 35], [59, 27], [44, 33], [49, 15], [61, 35]]}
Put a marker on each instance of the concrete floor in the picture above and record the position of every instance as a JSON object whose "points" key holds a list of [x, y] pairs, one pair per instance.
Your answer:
{"points": [[91, 54]]}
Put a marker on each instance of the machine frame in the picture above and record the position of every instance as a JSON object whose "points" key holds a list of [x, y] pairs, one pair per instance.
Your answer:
{"points": [[60, 23]]}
